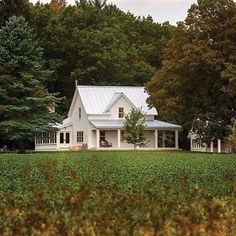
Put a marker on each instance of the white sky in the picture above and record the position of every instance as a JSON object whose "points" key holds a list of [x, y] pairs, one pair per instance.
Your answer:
{"points": [[161, 10]]}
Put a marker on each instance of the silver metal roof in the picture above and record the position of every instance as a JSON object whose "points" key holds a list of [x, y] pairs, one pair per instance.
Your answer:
{"points": [[97, 98], [118, 124], [67, 122]]}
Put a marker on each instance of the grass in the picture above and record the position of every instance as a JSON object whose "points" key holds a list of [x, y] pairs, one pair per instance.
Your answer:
{"points": [[118, 193]]}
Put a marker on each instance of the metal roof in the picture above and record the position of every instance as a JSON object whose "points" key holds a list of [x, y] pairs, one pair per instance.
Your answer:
{"points": [[118, 124], [97, 98], [67, 122], [115, 98]]}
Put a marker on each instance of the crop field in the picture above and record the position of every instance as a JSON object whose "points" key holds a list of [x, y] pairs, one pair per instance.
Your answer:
{"points": [[118, 193]]}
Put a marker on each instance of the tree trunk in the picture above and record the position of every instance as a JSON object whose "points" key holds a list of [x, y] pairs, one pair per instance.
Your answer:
{"points": [[21, 147]]}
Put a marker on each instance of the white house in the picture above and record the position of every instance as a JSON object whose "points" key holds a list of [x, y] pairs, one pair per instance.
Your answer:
{"points": [[95, 121]]}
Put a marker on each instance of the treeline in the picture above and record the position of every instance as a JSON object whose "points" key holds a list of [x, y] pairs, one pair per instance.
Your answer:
{"points": [[93, 42]]}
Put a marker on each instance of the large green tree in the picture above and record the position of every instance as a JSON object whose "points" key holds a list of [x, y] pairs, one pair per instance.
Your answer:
{"points": [[25, 102], [232, 136], [196, 86]]}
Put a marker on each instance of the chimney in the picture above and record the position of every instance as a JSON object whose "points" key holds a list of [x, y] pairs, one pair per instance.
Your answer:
{"points": [[76, 83]]}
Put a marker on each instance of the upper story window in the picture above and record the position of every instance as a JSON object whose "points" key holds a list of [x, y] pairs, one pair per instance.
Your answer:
{"points": [[80, 113], [121, 112]]}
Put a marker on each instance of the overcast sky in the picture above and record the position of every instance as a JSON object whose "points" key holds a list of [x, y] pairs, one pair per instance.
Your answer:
{"points": [[160, 10]]}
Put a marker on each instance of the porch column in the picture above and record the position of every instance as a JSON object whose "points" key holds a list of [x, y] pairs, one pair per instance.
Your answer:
{"points": [[164, 139], [118, 138], [156, 138], [58, 140], [219, 145], [212, 146], [97, 138], [191, 142], [176, 139]]}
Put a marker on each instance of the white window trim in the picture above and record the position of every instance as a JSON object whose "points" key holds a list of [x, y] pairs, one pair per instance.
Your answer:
{"points": [[122, 113]]}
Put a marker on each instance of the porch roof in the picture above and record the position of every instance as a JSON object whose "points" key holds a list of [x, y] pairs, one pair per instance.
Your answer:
{"points": [[118, 124]]}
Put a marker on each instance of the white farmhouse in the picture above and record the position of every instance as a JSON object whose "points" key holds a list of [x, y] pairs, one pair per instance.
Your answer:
{"points": [[95, 121]]}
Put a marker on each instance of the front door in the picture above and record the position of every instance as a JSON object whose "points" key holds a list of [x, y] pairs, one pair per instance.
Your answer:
{"points": [[102, 135]]}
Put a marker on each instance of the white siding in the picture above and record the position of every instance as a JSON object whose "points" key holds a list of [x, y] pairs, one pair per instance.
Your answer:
{"points": [[114, 110], [79, 124]]}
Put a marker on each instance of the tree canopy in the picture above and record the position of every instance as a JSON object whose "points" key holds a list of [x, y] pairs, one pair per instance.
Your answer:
{"points": [[96, 43], [196, 85], [25, 102], [9, 8]]}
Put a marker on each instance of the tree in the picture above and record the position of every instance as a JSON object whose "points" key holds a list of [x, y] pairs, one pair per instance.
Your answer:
{"points": [[98, 3], [134, 127], [232, 137], [9, 8], [25, 102], [196, 86], [56, 5], [95, 3]]}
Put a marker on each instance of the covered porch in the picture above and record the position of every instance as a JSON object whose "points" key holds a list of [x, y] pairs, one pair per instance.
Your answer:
{"points": [[158, 135]]}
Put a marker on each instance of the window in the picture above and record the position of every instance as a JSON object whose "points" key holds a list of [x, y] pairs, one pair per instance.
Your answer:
{"points": [[61, 137], [67, 137], [45, 138], [64, 138], [80, 137], [80, 113], [102, 135], [122, 133], [121, 112], [39, 138], [52, 138]]}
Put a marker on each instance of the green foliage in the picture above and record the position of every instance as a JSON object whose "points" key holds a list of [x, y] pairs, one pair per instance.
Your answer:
{"points": [[197, 78], [232, 136], [134, 127], [97, 45], [117, 193], [24, 99], [9, 8]]}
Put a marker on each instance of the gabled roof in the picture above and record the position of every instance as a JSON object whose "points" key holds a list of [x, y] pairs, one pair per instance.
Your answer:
{"points": [[98, 99], [118, 124], [114, 99]]}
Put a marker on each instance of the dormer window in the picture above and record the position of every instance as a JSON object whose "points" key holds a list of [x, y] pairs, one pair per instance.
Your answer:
{"points": [[121, 112], [80, 113]]}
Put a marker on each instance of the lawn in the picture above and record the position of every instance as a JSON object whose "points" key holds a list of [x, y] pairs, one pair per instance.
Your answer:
{"points": [[118, 193]]}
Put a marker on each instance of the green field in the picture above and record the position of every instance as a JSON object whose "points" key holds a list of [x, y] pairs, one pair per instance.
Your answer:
{"points": [[118, 193]]}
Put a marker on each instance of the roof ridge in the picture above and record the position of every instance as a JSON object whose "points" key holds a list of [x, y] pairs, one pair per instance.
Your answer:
{"points": [[100, 86]]}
